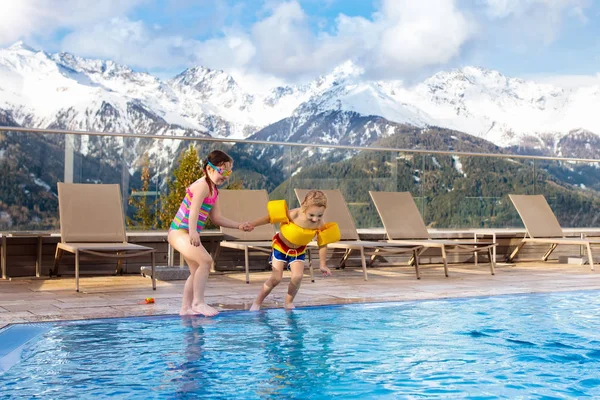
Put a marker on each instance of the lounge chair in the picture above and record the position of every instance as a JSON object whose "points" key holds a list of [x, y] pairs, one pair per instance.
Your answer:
{"points": [[337, 211], [403, 224], [542, 226], [92, 223], [245, 205]]}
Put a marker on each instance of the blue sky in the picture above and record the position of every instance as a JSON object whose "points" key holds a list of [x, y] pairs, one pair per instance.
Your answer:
{"points": [[267, 42]]}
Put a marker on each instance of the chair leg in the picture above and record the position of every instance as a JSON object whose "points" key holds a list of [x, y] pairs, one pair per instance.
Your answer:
{"points": [[550, 250], [364, 263], [512, 255], [153, 258], [415, 257], [310, 266], [119, 269], [444, 258], [247, 262], [215, 258], [590, 258], [57, 256], [344, 258], [3, 265], [374, 257], [491, 257], [77, 270], [38, 261]]}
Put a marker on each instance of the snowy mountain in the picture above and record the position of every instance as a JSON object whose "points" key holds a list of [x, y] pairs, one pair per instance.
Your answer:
{"points": [[65, 91]]}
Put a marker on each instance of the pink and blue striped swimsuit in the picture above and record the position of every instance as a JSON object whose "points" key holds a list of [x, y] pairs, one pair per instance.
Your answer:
{"points": [[182, 218]]}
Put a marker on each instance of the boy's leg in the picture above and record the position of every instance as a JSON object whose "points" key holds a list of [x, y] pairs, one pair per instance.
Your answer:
{"points": [[297, 269], [267, 287]]}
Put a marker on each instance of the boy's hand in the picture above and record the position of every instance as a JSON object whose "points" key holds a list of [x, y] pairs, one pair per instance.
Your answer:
{"points": [[246, 227], [325, 270]]}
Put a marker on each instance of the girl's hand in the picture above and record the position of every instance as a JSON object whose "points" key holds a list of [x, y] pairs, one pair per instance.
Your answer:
{"points": [[246, 227], [325, 270], [194, 238]]}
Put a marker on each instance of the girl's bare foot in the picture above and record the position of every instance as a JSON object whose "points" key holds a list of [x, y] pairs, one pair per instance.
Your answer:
{"points": [[289, 306], [204, 309], [186, 311], [255, 307]]}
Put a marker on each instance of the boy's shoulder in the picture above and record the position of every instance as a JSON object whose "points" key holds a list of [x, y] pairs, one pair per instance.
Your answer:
{"points": [[294, 213]]}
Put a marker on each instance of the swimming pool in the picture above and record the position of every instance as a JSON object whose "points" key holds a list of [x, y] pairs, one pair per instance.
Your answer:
{"points": [[490, 347]]}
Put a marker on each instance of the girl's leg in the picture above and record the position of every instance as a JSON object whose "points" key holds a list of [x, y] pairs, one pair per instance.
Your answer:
{"points": [[199, 262], [297, 268], [188, 290], [268, 286]]}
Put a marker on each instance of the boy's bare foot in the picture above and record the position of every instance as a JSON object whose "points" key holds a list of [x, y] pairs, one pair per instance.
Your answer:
{"points": [[255, 307], [289, 306], [204, 309], [186, 311]]}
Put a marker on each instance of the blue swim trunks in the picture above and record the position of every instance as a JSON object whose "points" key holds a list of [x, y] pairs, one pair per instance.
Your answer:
{"points": [[281, 252], [288, 259]]}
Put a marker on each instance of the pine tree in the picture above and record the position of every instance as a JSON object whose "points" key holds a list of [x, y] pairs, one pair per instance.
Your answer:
{"points": [[145, 215], [186, 173]]}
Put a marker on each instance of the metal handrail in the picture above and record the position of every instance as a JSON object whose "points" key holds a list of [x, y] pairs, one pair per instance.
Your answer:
{"points": [[291, 144]]}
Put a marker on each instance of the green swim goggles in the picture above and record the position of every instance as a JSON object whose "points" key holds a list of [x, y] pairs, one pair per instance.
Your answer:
{"points": [[222, 171]]}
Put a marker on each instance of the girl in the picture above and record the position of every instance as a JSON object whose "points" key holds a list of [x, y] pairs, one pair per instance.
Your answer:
{"points": [[201, 200], [298, 228]]}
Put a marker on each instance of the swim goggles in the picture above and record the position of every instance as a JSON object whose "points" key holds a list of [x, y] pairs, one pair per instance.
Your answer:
{"points": [[222, 171]]}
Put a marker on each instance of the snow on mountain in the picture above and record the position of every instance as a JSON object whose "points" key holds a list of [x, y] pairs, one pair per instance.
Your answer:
{"points": [[41, 90]]}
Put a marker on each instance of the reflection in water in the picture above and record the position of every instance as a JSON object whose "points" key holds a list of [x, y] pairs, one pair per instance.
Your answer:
{"points": [[292, 354], [195, 368]]}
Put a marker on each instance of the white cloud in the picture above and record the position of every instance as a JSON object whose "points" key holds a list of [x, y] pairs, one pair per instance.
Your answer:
{"points": [[413, 35], [130, 42], [25, 19], [287, 47], [401, 37], [536, 19], [569, 82], [519, 8]]}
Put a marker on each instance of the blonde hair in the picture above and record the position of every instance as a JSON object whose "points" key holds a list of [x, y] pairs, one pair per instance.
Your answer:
{"points": [[314, 198]]}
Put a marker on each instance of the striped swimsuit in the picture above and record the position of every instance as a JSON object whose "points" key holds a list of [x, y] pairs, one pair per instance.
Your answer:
{"points": [[182, 219]]}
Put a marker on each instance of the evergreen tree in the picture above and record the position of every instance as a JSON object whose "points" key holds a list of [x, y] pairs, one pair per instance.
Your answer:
{"points": [[145, 214], [186, 173]]}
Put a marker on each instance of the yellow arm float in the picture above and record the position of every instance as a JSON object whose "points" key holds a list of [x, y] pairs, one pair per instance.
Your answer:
{"points": [[329, 234], [278, 211]]}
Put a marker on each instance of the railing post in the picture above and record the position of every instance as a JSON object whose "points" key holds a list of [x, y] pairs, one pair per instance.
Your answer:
{"points": [[124, 176], [69, 158]]}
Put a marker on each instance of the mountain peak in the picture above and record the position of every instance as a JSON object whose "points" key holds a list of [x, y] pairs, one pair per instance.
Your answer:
{"points": [[200, 77], [91, 65], [469, 73], [348, 69], [20, 45]]}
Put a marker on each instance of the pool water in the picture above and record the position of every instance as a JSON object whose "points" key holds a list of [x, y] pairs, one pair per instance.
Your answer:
{"points": [[518, 346]]}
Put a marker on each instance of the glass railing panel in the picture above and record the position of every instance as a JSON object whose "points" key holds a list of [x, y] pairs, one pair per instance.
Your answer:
{"points": [[572, 190], [147, 174], [471, 192], [451, 191], [257, 166], [30, 166], [353, 172]]}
